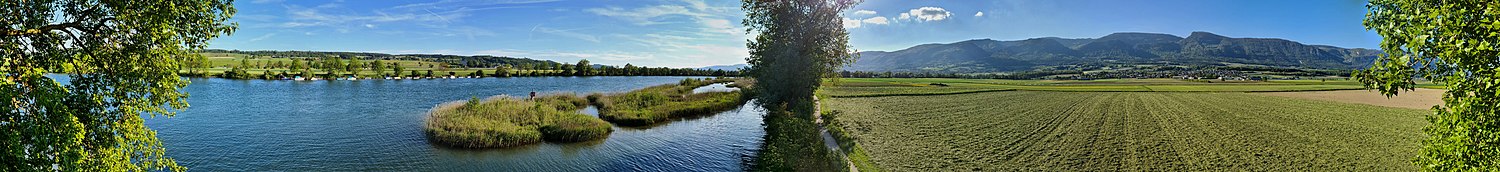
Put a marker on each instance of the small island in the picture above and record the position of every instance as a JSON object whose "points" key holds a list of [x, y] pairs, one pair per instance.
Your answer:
{"points": [[656, 104], [503, 121]]}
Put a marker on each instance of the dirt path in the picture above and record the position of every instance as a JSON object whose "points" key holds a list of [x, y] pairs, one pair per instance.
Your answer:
{"points": [[1420, 98], [828, 140]]}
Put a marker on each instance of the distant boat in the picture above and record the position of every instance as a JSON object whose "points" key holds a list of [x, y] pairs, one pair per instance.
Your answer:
{"points": [[299, 78]]}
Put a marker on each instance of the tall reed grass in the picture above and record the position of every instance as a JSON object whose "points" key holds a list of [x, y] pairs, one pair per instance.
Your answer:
{"points": [[660, 103], [503, 121]]}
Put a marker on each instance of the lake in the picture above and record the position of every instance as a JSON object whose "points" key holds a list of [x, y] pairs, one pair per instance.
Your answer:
{"points": [[376, 125]]}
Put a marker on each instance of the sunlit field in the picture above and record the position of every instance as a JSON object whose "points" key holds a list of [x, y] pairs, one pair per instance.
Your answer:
{"points": [[1145, 125]]}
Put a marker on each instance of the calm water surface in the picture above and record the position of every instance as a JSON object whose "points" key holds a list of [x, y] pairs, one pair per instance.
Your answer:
{"points": [[376, 125]]}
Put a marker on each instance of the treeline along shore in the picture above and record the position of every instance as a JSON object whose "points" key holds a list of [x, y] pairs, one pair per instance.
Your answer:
{"points": [[312, 65]]}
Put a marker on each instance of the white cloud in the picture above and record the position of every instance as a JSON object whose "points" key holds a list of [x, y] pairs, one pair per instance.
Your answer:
{"points": [[709, 18], [262, 37], [569, 34], [876, 20], [851, 23], [369, 26], [979, 14], [904, 16], [864, 13], [930, 14], [645, 15]]}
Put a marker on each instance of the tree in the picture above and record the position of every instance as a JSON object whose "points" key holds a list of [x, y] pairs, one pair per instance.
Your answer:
{"points": [[1455, 43], [583, 68], [296, 65], [502, 70], [194, 63], [800, 42], [354, 67], [378, 67], [121, 58], [397, 68], [629, 70]]}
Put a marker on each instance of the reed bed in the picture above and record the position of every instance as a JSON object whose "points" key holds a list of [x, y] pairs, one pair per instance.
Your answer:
{"points": [[504, 121], [660, 103]]}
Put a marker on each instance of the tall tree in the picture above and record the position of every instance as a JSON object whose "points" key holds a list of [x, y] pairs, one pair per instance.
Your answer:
{"points": [[121, 58], [378, 66], [397, 68], [1455, 43], [799, 42], [629, 69], [583, 68], [354, 67], [502, 70]]}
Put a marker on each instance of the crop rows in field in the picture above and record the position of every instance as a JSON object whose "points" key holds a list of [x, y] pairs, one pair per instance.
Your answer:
{"points": [[1132, 131], [875, 87]]}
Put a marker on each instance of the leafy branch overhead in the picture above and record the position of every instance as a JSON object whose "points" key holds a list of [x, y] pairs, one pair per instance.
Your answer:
{"points": [[1453, 43], [121, 58]]}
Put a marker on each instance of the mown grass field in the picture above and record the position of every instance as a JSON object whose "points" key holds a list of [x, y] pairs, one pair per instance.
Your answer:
{"points": [[1131, 131], [869, 87]]}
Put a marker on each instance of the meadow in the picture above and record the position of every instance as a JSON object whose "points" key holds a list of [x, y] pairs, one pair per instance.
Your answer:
{"points": [[874, 87], [1109, 125]]}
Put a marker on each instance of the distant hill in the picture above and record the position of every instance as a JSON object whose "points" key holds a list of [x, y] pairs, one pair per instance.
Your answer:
{"points": [[1199, 48], [733, 67]]}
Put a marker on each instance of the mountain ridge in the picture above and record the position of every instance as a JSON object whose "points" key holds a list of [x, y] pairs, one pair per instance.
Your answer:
{"points": [[1198, 48]]}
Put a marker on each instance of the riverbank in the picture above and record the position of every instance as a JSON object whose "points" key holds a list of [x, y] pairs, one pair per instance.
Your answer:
{"points": [[505, 121]]}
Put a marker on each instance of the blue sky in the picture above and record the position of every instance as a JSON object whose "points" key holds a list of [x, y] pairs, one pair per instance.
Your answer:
{"points": [[696, 33]]}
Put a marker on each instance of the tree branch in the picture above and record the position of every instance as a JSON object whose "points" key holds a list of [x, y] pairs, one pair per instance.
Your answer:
{"points": [[45, 29]]}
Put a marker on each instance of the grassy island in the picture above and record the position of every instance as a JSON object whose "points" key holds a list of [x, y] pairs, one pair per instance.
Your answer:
{"points": [[656, 104], [505, 121]]}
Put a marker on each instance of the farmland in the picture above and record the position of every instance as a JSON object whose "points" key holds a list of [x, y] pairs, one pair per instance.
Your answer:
{"points": [[1109, 125], [867, 87]]}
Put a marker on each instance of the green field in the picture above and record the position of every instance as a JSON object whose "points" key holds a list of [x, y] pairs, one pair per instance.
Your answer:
{"points": [[906, 124], [1133, 131], [868, 87]]}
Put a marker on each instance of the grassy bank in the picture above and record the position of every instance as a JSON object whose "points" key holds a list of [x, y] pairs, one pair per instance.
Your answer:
{"points": [[656, 104], [793, 143], [1130, 131], [507, 121]]}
